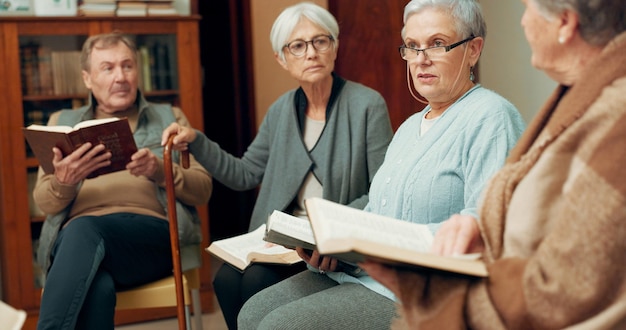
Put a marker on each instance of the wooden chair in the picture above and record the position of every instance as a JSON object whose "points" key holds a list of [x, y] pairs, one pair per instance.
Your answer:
{"points": [[176, 289]]}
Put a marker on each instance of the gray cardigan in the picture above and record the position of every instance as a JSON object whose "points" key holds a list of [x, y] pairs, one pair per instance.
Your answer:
{"points": [[346, 157]]}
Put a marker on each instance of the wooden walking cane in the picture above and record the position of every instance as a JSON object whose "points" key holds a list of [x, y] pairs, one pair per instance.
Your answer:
{"points": [[173, 222]]}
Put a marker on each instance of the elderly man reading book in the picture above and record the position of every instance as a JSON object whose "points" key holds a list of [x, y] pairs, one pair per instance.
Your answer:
{"points": [[110, 232]]}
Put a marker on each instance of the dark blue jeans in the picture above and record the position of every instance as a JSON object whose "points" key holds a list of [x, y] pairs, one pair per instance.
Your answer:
{"points": [[95, 256]]}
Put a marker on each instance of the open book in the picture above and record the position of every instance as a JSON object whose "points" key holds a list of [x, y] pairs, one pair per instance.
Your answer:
{"points": [[12, 319], [354, 235], [289, 231], [243, 250], [114, 133]]}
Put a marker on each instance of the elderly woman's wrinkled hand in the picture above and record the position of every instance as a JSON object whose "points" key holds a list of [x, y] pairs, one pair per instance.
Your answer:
{"points": [[385, 275], [458, 235], [314, 259], [184, 136]]}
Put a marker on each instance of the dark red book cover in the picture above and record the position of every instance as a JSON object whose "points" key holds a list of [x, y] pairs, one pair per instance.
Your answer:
{"points": [[115, 134]]}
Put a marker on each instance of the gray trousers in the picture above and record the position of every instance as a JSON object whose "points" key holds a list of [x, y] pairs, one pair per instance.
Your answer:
{"points": [[309, 300]]}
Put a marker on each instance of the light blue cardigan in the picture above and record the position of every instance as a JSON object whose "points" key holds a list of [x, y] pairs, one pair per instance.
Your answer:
{"points": [[426, 179]]}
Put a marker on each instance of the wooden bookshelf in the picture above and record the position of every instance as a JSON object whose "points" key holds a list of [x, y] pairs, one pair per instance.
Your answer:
{"points": [[19, 225]]}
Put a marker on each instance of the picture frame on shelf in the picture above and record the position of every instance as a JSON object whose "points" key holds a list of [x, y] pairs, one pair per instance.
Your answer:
{"points": [[16, 8], [55, 7]]}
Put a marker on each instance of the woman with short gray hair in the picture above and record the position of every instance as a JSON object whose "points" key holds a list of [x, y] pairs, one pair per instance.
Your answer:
{"points": [[435, 166], [551, 229], [325, 138]]}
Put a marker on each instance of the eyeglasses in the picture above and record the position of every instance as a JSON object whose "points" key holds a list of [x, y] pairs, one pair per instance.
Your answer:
{"points": [[409, 53], [299, 47]]}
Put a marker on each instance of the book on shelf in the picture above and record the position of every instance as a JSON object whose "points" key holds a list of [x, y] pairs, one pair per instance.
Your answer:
{"points": [[114, 133], [44, 66], [67, 73], [143, 65], [48, 72], [36, 69], [132, 8], [29, 69], [97, 9], [35, 116], [354, 235], [157, 8], [162, 79], [243, 250]]}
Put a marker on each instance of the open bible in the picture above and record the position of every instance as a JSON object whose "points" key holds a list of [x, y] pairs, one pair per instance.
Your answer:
{"points": [[353, 235], [243, 250], [113, 132], [289, 231]]}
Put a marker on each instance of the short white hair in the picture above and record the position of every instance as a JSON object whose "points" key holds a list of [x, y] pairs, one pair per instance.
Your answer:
{"points": [[286, 22]]}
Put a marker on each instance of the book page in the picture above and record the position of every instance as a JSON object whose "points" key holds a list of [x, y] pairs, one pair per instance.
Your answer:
{"points": [[58, 128], [336, 221], [291, 226], [93, 122], [240, 246], [67, 129]]}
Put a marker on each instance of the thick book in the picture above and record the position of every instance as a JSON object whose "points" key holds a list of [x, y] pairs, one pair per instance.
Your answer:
{"points": [[355, 235], [289, 231], [243, 250], [12, 319], [114, 133]]}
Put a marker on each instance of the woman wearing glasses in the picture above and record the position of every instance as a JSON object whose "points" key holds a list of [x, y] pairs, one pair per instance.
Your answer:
{"points": [[551, 228], [436, 166], [326, 138]]}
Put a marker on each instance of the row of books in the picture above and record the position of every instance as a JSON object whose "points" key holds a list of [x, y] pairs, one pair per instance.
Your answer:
{"points": [[127, 8], [39, 112], [51, 72], [157, 69], [48, 72]]}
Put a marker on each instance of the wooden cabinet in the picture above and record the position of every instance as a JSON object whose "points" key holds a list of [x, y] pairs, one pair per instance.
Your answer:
{"points": [[21, 104]]}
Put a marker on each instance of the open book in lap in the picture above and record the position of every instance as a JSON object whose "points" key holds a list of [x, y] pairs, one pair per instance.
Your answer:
{"points": [[113, 132], [11, 318], [289, 231], [243, 250], [354, 235], [292, 232]]}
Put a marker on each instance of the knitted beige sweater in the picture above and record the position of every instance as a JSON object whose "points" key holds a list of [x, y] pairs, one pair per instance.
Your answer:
{"points": [[553, 220]]}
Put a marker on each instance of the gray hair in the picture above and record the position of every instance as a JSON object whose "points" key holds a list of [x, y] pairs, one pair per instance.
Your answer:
{"points": [[105, 41], [599, 20], [286, 22], [466, 13]]}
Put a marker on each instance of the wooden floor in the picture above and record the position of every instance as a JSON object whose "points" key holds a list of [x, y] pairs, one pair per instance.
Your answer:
{"points": [[212, 321]]}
